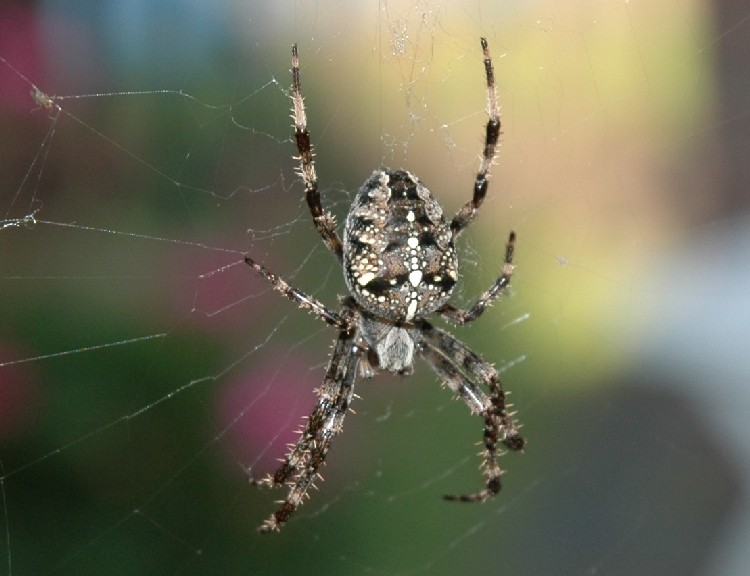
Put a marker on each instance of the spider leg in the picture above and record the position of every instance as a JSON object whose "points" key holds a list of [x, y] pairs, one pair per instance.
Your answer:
{"points": [[304, 301], [300, 467], [459, 316], [492, 135], [324, 221], [445, 354]]}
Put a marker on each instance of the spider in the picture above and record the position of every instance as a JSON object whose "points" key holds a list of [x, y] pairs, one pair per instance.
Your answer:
{"points": [[399, 259]]}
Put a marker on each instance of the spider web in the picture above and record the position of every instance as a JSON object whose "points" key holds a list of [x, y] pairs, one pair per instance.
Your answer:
{"points": [[145, 371]]}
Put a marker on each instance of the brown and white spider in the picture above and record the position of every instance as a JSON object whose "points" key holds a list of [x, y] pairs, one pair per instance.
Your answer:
{"points": [[400, 265]]}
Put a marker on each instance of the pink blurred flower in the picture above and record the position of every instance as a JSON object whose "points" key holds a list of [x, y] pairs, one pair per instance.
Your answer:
{"points": [[262, 409]]}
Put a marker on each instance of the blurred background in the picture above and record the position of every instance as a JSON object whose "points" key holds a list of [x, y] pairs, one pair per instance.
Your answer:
{"points": [[145, 371]]}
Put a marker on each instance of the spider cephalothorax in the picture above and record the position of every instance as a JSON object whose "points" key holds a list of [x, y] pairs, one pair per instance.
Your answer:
{"points": [[400, 264]]}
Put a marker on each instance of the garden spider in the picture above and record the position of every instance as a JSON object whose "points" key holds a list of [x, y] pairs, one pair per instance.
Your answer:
{"points": [[400, 264]]}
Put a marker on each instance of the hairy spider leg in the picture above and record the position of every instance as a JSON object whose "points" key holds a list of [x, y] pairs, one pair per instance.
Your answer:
{"points": [[303, 300], [324, 221], [460, 316], [492, 135], [300, 467], [444, 354]]}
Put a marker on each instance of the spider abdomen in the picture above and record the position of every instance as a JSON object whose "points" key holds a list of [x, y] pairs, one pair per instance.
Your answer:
{"points": [[399, 258]]}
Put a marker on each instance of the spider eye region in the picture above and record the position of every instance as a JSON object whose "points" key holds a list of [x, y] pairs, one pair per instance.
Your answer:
{"points": [[399, 257]]}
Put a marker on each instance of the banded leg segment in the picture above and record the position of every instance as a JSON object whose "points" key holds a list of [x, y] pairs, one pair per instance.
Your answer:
{"points": [[303, 300], [324, 221], [460, 316], [448, 357], [491, 137], [300, 467]]}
